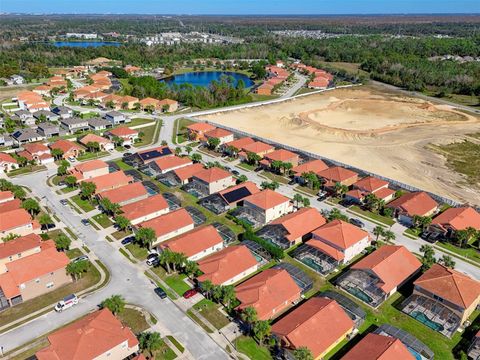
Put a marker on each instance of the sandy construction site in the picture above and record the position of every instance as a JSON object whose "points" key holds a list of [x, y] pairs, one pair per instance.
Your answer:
{"points": [[378, 130]]}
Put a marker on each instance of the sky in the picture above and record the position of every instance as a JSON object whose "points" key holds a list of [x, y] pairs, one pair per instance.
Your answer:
{"points": [[240, 7]]}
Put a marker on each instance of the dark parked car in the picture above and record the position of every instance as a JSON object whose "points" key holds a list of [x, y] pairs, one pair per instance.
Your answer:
{"points": [[128, 240], [190, 293], [357, 223], [85, 222], [160, 292], [235, 172], [63, 202]]}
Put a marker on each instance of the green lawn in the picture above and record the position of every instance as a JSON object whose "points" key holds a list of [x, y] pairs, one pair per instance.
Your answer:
{"points": [[304, 189], [176, 343], [140, 121], [53, 234], [127, 255], [180, 127], [376, 217], [82, 204], [210, 311], [149, 132], [137, 251], [248, 346], [92, 155], [275, 177], [122, 165], [469, 252], [68, 189], [195, 318], [164, 353], [134, 319], [74, 253], [121, 234], [26, 170], [177, 284], [103, 220], [245, 166]]}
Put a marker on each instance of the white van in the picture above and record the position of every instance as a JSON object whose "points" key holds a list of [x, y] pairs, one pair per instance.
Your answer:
{"points": [[67, 302]]}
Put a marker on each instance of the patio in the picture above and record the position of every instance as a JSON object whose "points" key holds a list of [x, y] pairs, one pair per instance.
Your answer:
{"points": [[363, 286], [315, 259]]}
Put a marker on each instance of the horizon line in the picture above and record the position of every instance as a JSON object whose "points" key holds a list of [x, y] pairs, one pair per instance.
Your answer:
{"points": [[245, 14]]}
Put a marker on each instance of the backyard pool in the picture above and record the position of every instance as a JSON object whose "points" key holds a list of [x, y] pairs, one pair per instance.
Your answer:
{"points": [[311, 263], [426, 321], [360, 294]]}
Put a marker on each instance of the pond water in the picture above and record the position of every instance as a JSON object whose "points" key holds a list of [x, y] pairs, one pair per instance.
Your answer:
{"points": [[85, 44], [204, 78]]}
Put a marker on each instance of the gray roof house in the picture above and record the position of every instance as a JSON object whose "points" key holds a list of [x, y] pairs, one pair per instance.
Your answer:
{"points": [[48, 130], [45, 115], [23, 136], [6, 140], [99, 124], [74, 124], [63, 111], [116, 117], [25, 117]]}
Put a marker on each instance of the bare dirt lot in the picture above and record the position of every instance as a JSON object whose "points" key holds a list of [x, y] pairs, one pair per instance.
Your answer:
{"points": [[372, 128]]}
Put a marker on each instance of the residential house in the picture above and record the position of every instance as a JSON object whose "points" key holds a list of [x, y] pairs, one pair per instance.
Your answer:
{"points": [[34, 275], [7, 163], [110, 181], [319, 83], [185, 174], [31, 101], [280, 155], [455, 219], [5, 140], [379, 347], [168, 105], [370, 185], [125, 195], [227, 266], [212, 180], [195, 244], [223, 135], [257, 147], [74, 124], [18, 248], [313, 166], [10, 205], [169, 225], [49, 130], [126, 134], [474, 349], [268, 205], [292, 229], [68, 148], [319, 324], [236, 144], [149, 103], [99, 124], [340, 240], [116, 117], [411, 204], [25, 117], [98, 335], [337, 174], [43, 90], [90, 169], [132, 69], [229, 198], [146, 209], [147, 156], [6, 196], [18, 222], [105, 144], [37, 152], [23, 136], [270, 293], [169, 163], [63, 112], [45, 115], [196, 131], [264, 89]]}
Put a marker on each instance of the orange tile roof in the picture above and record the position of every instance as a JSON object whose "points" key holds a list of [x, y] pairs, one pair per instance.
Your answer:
{"points": [[316, 324], [34, 148], [169, 222], [64, 145], [25, 154], [355, 193], [167, 102], [10, 205], [169, 162], [250, 186], [458, 218], [379, 347], [200, 127], [450, 285], [122, 131], [266, 199], [271, 289], [218, 133], [124, 193], [128, 98], [337, 174], [391, 264], [300, 223], [239, 143], [91, 165], [341, 233], [144, 207], [370, 184], [87, 338], [4, 157], [94, 138], [149, 101], [257, 147], [282, 155], [384, 193], [212, 174], [311, 166], [226, 264], [194, 242], [6, 196], [110, 181], [326, 249], [19, 245], [187, 172], [319, 82], [416, 203], [14, 218]]}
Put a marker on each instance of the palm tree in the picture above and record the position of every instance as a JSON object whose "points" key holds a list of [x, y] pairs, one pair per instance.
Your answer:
{"points": [[122, 222], [178, 259], [145, 236], [228, 295], [190, 268], [165, 258], [249, 316], [207, 287], [378, 231], [276, 165], [447, 261], [115, 303], [151, 342], [302, 353], [297, 198], [287, 167], [261, 330], [45, 221], [389, 235], [31, 206]]}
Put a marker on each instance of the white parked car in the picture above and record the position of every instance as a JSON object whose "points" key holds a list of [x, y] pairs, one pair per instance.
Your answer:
{"points": [[72, 159], [67, 302]]}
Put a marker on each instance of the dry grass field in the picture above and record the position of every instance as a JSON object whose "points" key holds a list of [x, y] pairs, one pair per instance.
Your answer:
{"points": [[375, 129]]}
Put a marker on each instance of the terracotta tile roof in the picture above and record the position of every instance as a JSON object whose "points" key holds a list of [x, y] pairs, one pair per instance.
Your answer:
{"points": [[370, 184], [149, 101], [267, 199], [319, 82], [110, 181], [19, 245], [94, 138], [169, 222], [128, 98], [200, 127], [311, 166], [4, 157], [34, 148], [122, 131], [91, 165], [8, 285], [392, 264], [458, 218], [218, 133], [6, 196], [14, 218], [36, 265], [212, 174], [416, 203], [226, 264], [326, 249], [187, 172], [25, 154], [45, 156], [64, 145], [281, 155], [167, 102], [316, 324], [194, 242], [450, 285], [384, 193], [248, 185], [271, 289], [257, 147], [124, 193], [357, 194], [87, 338], [239, 143], [379, 347], [300, 223], [337, 174], [169, 162], [10, 205], [341, 233], [144, 207]]}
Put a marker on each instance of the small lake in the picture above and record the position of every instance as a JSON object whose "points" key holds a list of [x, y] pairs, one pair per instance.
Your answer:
{"points": [[204, 78], [84, 44]]}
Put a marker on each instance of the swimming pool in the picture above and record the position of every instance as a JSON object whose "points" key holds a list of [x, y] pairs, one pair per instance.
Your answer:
{"points": [[426, 321], [360, 294], [416, 355], [311, 263]]}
